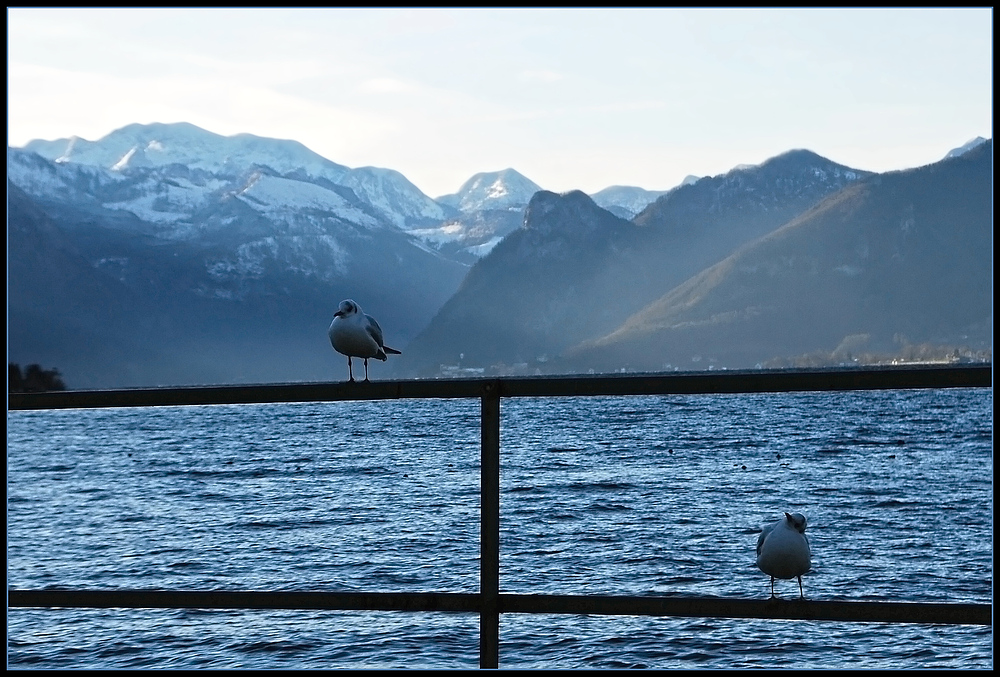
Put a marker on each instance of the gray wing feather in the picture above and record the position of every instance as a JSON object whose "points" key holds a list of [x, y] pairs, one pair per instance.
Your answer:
{"points": [[763, 536], [374, 330]]}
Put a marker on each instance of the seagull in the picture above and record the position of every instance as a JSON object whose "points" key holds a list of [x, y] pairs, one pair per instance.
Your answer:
{"points": [[355, 334], [783, 549]]}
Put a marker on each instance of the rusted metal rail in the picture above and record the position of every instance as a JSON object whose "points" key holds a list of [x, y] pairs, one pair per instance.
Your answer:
{"points": [[490, 603]]}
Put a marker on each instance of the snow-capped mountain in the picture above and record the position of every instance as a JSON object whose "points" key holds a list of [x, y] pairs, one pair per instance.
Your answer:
{"points": [[628, 201], [625, 201], [491, 205], [195, 164], [392, 194], [173, 180], [182, 143], [222, 257], [485, 209], [177, 202], [492, 190]]}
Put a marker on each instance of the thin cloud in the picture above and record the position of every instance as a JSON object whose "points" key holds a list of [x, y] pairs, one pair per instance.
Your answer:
{"points": [[388, 86], [540, 76]]}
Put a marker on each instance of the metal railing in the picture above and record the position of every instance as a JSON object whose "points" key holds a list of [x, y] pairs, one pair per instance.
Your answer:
{"points": [[489, 602]]}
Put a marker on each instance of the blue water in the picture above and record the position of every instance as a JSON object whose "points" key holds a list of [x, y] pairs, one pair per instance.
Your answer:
{"points": [[620, 496]]}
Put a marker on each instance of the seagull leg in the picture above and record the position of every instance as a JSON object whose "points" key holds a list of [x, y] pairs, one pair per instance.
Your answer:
{"points": [[350, 369], [801, 594], [772, 587], [366, 368]]}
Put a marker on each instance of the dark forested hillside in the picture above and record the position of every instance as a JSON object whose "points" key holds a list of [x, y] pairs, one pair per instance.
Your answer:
{"points": [[896, 260]]}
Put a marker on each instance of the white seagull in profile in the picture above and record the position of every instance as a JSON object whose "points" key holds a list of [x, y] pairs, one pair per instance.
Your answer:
{"points": [[783, 549], [355, 334]]}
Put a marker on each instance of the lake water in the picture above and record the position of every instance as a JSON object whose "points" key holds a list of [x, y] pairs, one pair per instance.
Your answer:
{"points": [[659, 495]]}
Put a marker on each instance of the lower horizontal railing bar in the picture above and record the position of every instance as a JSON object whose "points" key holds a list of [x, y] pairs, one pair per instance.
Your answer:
{"points": [[697, 607], [776, 608], [240, 599], [672, 383]]}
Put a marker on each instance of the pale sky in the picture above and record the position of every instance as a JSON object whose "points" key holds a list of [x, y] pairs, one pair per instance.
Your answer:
{"points": [[570, 98]]}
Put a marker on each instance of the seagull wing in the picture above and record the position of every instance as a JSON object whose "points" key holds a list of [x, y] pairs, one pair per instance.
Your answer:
{"points": [[763, 537], [374, 330]]}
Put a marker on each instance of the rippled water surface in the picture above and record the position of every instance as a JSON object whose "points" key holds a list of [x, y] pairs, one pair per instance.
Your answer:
{"points": [[618, 496]]}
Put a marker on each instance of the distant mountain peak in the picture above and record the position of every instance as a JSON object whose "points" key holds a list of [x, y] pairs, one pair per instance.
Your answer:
{"points": [[160, 144], [626, 201], [160, 147], [544, 202], [504, 189], [572, 212], [965, 148], [795, 157], [799, 154]]}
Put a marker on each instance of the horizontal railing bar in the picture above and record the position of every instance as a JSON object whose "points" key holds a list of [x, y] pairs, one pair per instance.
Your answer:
{"points": [[245, 394], [670, 383], [755, 381], [700, 607], [239, 599], [775, 608]]}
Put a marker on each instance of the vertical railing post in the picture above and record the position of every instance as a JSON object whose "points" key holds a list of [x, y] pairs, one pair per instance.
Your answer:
{"points": [[489, 525]]}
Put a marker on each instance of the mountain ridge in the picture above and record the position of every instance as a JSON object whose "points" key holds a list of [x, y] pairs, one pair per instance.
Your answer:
{"points": [[228, 269], [914, 267], [684, 231]]}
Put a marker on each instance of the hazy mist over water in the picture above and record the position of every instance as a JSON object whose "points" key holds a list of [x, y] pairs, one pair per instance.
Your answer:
{"points": [[659, 495]]}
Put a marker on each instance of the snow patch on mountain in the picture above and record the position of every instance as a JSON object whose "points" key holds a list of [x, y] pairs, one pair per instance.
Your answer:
{"points": [[278, 198], [168, 201], [483, 249], [446, 232], [318, 255], [38, 176], [392, 194]]}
